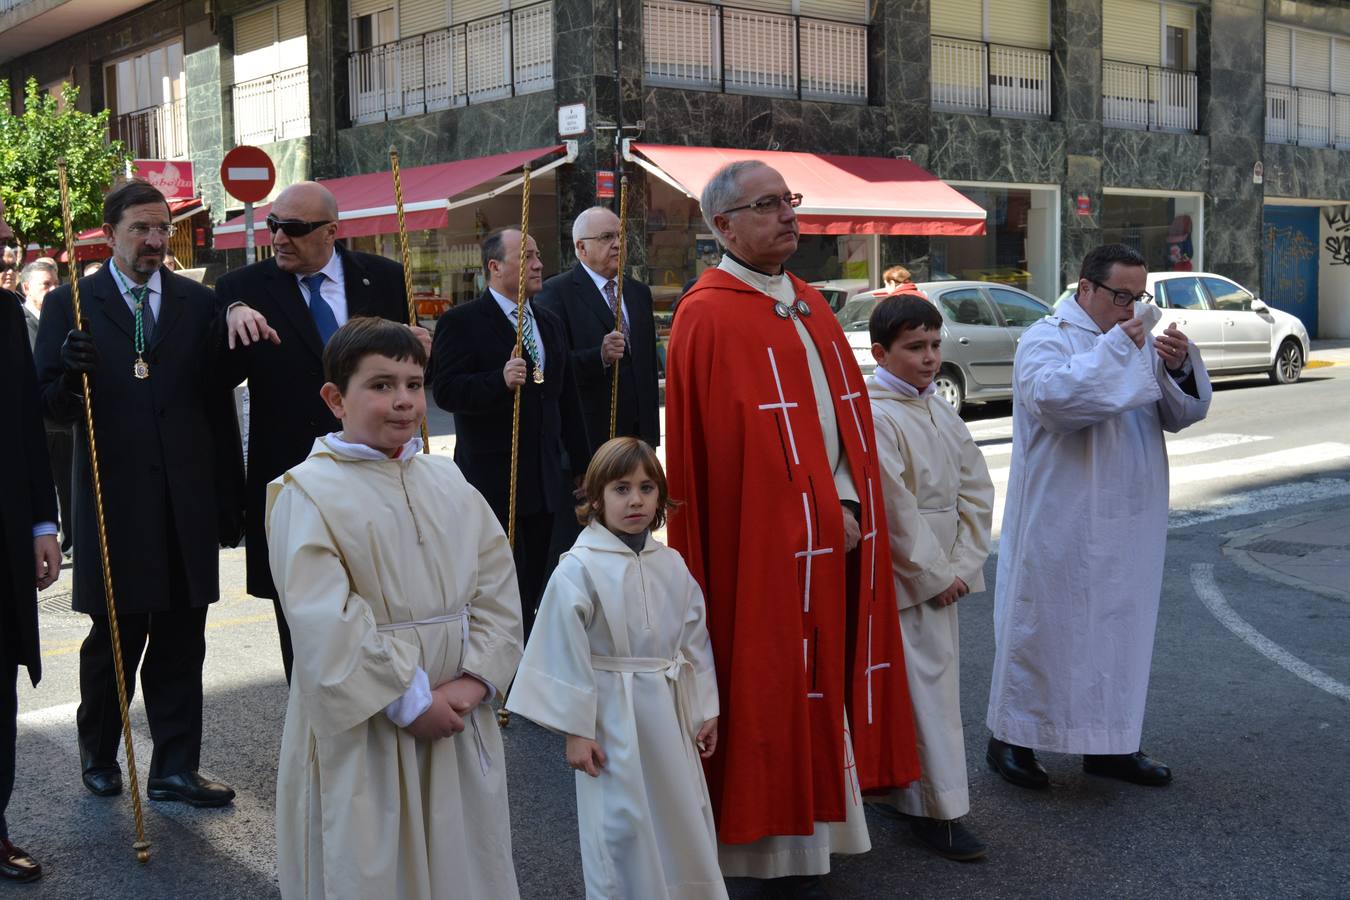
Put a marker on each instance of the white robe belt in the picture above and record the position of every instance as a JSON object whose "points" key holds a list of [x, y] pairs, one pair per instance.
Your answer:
{"points": [[679, 669]]}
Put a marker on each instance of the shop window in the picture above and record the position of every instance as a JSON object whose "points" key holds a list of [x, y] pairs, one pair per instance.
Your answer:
{"points": [[1019, 247], [1162, 229]]}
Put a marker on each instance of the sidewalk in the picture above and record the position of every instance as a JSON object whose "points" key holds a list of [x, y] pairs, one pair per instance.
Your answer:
{"points": [[1329, 353], [1309, 551]]}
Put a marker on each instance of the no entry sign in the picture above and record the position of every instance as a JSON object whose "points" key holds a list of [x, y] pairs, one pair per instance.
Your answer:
{"points": [[248, 174]]}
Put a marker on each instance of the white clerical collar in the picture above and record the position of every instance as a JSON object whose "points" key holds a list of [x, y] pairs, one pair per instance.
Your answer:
{"points": [[365, 451], [900, 386], [765, 284]]}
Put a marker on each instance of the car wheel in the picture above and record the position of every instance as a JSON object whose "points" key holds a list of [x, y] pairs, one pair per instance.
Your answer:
{"points": [[949, 388], [1288, 365]]}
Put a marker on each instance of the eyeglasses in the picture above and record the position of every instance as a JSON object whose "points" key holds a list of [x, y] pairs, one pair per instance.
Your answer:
{"points": [[768, 205], [1123, 298], [609, 237], [294, 227], [140, 230]]}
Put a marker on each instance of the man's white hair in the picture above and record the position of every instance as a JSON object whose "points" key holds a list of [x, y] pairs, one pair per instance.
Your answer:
{"points": [[723, 191], [581, 227]]}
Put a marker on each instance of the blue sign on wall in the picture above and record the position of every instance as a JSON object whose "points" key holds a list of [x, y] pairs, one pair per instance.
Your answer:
{"points": [[1289, 235]]}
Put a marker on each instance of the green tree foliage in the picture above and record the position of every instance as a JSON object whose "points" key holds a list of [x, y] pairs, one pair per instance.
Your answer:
{"points": [[30, 145]]}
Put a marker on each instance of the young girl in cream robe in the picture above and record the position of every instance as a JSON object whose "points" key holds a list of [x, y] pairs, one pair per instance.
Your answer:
{"points": [[401, 594], [620, 662], [939, 509]]}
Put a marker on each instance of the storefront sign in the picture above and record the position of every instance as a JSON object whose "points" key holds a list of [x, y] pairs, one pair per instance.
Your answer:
{"points": [[1083, 205], [572, 120], [172, 178], [604, 185]]}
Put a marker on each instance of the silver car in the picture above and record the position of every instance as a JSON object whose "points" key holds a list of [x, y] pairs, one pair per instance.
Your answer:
{"points": [[981, 325]]}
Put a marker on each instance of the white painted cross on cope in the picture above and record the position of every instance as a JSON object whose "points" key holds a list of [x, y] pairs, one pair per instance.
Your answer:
{"points": [[850, 398], [783, 405], [810, 553]]}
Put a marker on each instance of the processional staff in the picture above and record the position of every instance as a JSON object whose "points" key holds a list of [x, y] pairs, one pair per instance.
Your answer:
{"points": [[618, 303], [407, 265], [142, 846]]}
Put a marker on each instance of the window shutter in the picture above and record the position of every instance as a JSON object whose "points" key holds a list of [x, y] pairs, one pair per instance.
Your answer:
{"points": [[1278, 49], [1312, 60], [292, 50], [1020, 23], [1180, 16], [421, 16], [360, 8], [835, 10], [958, 19], [1131, 32], [781, 7], [1340, 77], [465, 10], [255, 52]]}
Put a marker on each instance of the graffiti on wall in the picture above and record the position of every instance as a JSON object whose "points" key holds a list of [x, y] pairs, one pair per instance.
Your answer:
{"points": [[1338, 244]]}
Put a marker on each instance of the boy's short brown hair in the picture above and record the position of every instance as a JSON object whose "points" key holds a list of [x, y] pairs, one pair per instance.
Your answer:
{"points": [[368, 336], [615, 459]]}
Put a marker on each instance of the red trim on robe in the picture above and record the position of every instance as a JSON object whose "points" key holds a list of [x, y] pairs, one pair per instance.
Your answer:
{"points": [[758, 493]]}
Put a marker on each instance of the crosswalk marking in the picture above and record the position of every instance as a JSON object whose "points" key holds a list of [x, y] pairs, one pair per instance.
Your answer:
{"points": [[1206, 443], [1263, 463]]}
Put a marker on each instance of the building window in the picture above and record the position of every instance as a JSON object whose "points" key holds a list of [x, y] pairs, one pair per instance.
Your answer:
{"points": [[991, 57], [1148, 65], [146, 94], [1307, 87], [812, 49], [271, 74], [1166, 228]]}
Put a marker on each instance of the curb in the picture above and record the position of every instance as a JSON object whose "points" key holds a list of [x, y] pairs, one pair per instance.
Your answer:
{"points": [[1237, 542]]}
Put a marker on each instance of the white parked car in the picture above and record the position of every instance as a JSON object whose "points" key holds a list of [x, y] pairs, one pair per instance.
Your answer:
{"points": [[1237, 333]]}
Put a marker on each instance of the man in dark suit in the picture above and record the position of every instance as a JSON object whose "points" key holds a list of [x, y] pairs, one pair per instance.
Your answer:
{"points": [[584, 300], [274, 335], [476, 371], [29, 553], [169, 462], [37, 280]]}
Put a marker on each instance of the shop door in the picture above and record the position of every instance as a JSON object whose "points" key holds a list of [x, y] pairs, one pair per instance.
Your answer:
{"points": [[1290, 263]]}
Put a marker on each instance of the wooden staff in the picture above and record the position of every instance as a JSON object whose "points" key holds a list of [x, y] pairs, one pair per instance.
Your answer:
{"points": [[618, 304], [407, 266], [142, 846], [503, 716]]}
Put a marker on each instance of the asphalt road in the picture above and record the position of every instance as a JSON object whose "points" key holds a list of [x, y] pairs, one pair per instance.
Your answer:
{"points": [[1260, 806]]}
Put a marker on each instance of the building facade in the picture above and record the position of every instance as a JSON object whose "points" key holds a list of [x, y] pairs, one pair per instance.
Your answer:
{"points": [[1209, 135]]}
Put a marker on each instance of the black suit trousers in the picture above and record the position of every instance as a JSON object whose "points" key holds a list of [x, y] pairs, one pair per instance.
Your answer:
{"points": [[9, 735], [534, 533]]}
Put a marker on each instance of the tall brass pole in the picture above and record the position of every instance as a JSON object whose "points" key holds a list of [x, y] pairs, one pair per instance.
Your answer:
{"points": [[407, 266], [503, 716], [142, 846], [618, 304]]}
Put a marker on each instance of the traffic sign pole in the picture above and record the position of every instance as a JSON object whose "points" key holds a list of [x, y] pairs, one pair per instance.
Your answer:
{"points": [[250, 254]]}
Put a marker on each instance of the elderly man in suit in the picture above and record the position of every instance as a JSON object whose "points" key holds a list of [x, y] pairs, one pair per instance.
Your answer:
{"points": [[169, 461], [476, 371], [584, 299], [280, 314], [29, 553], [36, 281]]}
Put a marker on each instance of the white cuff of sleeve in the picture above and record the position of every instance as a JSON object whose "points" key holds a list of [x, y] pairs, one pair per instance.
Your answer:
{"points": [[415, 701], [42, 528]]}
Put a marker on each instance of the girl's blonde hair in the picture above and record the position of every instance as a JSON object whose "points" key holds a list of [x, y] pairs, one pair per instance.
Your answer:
{"points": [[614, 460]]}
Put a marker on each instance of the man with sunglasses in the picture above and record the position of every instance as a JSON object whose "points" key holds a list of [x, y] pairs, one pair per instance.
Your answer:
{"points": [[280, 313], [1085, 528], [771, 451], [11, 260]]}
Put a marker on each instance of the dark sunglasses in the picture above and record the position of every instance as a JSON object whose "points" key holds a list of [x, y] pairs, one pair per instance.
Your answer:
{"points": [[293, 227], [7, 266]]}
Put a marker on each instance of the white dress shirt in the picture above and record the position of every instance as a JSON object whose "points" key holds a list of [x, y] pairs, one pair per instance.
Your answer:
{"points": [[334, 289], [508, 308], [124, 284]]}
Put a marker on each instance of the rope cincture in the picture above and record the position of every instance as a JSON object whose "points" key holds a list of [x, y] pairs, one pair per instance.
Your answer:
{"points": [[141, 846], [618, 304], [407, 266]]}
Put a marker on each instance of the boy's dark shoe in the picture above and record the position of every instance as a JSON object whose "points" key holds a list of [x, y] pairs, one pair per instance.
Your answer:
{"points": [[949, 838], [1136, 768], [1017, 765], [16, 864]]}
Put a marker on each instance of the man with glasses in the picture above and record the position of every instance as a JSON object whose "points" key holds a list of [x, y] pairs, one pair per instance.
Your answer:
{"points": [[169, 464], [772, 454], [584, 300], [281, 312], [1085, 528]]}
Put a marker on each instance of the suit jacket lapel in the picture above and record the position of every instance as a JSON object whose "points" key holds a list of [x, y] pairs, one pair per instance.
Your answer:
{"points": [[361, 299], [593, 298], [170, 306], [110, 299], [286, 293]]}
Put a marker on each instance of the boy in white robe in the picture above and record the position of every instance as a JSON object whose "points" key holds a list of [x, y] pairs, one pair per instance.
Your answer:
{"points": [[620, 662], [401, 594], [939, 511]]}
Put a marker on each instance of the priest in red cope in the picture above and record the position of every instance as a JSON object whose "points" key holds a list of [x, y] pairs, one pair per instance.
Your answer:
{"points": [[770, 448]]}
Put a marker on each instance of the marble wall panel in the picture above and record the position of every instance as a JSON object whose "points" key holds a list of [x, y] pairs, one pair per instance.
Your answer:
{"points": [[1316, 172], [1239, 35], [1076, 60], [1155, 160], [1233, 237], [977, 148]]}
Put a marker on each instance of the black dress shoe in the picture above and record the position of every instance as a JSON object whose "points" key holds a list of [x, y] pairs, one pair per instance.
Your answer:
{"points": [[796, 887], [1017, 765], [16, 864], [949, 838], [190, 787], [102, 781], [1136, 768]]}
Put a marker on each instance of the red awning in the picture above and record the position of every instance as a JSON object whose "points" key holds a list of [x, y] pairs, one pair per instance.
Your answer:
{"points": [[841, 194], [367, 201]]}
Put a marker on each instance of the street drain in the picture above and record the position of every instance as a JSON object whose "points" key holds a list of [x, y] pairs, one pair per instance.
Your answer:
{"points": [[1282, 548]]}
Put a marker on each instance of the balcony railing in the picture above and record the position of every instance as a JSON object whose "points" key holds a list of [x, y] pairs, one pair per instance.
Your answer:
{"points": [[993, 79], [1307, 117], [272, 108], [156, 132], [1157, 99], [743, 51], [496, 56]]}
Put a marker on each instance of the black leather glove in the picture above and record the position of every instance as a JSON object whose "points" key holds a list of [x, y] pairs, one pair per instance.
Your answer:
{"points": [[79, 353]]}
